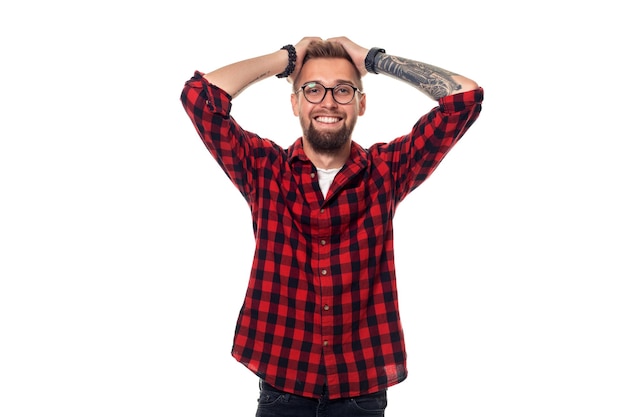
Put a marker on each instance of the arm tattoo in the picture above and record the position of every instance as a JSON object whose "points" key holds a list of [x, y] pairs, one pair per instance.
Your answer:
{"points": [[260, 77], [433, 81]]}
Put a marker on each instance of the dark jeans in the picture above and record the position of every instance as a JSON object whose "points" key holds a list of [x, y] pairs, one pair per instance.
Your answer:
{"points": [[275, 403]]}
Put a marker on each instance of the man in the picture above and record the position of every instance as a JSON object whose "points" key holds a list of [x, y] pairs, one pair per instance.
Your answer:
{"points": [[320, 321]]}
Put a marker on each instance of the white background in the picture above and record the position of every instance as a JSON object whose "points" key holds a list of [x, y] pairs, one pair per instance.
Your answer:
{"points": [[124, 250]]}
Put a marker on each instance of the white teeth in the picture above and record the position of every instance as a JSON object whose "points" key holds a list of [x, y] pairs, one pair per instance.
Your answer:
{"points": [[322, 119]]}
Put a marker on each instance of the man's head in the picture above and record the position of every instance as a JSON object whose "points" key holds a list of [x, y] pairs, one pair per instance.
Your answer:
{"points": [[327, 97]]}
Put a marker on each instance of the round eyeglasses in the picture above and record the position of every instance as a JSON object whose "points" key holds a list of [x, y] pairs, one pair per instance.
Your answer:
{"points": [[315, 92]]}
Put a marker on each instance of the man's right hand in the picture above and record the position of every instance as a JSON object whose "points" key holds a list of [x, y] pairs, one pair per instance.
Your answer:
{"points": [[300, 51]]}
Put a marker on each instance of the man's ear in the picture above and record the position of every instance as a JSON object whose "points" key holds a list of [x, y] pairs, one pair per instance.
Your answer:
{"points": [[294, 105], [362, 103]]}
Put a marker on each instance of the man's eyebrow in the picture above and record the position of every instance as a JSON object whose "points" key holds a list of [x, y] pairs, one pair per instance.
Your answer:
{"points": [[336, 82]]}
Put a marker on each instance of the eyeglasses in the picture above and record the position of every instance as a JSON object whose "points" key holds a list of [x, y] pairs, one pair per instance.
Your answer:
{"points": [[315, 92]]}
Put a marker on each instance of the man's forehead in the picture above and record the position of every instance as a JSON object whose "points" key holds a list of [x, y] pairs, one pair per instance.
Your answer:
{"points": [[328, 71]]}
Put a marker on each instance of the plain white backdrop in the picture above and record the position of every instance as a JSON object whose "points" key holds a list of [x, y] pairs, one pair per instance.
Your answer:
{"points": [[125, 251]]}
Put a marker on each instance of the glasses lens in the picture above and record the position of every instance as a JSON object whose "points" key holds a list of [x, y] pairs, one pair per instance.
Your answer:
{"points": [[314, 92], [343, 93]]}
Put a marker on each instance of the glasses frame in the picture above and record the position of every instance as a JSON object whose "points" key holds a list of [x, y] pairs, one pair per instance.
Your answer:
{"points": [[327, 89]]}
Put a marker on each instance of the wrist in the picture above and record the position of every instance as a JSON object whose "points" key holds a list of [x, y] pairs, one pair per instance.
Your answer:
{"points": [[370, 59]]}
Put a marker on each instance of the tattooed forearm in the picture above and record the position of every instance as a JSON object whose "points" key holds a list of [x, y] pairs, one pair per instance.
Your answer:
{"points": [[433, 81]]}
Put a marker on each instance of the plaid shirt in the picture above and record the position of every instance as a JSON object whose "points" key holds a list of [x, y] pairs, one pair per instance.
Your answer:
{"points": [[321, 305]]}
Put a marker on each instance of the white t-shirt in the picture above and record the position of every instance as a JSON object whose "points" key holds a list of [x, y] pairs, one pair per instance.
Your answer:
{"points": [[326, 177]]}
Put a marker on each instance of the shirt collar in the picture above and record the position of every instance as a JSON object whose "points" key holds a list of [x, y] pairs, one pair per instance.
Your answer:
{"points": [[296, 151], [358, 155]]}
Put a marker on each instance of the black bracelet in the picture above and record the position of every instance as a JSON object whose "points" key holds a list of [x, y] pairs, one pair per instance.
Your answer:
{"points": [[292, 61], [370, 59]]}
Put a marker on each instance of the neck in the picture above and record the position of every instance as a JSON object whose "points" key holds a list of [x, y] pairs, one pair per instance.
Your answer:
{"points": [[327, 160]]}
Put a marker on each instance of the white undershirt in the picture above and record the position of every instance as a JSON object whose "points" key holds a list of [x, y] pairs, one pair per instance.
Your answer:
{"points": [[326, 177]]}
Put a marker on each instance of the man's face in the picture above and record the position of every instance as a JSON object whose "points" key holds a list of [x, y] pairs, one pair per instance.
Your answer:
{"points": [[327, 126]]}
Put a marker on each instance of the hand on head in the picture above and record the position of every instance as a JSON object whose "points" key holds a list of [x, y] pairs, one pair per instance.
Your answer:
{"points": [[300, 51], [357, 53]]}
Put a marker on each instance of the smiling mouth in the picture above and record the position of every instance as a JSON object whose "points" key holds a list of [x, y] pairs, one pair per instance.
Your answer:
{"points": [[327, 119]]}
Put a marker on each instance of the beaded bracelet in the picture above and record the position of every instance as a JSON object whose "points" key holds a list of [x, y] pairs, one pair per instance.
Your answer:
{"points": [[292, 61]]}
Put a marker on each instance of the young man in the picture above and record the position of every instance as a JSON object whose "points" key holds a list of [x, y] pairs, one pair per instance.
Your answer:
{"points": [[320, 321]]}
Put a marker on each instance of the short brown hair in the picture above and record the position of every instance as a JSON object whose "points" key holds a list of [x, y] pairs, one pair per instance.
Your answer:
{"points": [[327, 49]]}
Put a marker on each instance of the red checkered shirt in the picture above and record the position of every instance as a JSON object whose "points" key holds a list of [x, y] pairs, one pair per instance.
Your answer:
{"points": [[321, 305]]}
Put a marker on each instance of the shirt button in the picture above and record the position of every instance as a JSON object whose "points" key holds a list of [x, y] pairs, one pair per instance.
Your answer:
{"points": [[326, 307], [312, 174], [322, 210], [325, 343], [322, 242], [324, 272]]}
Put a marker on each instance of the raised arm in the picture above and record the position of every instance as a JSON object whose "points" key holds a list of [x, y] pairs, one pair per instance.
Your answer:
{"points": [[236, 77], [433, 81]]}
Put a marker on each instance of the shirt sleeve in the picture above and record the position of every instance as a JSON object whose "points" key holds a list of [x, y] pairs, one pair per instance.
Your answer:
{"points": [[414, 157], [209, 107]]}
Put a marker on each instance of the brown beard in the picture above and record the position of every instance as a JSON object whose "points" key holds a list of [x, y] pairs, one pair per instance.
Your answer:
{"points": [[328, 142]]}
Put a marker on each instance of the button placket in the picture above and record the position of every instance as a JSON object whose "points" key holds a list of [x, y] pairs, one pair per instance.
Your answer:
{"points": [[326, 288]]}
